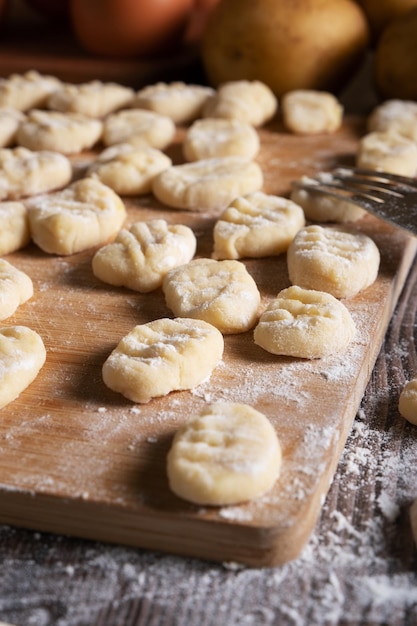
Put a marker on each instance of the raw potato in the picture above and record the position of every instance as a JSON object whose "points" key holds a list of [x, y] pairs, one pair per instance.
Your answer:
{"points": [[332, 260], [304, 323], [407, 404], [396, 58], [22, 355], [381, 12], [163, 356], [229, 453], [308, 44]]}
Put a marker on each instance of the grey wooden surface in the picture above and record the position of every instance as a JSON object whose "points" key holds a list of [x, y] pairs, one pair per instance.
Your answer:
{"points": [[359, 568]]}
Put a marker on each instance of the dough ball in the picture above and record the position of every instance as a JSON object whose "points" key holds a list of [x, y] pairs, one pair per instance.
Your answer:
{"points": [[229, 453]]}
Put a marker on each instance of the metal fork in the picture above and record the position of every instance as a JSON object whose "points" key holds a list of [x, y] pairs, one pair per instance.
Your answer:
{"points": [[390, 197]]}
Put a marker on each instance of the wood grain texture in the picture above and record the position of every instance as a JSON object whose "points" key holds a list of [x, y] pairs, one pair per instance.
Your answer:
{"points": [[79, 459]]}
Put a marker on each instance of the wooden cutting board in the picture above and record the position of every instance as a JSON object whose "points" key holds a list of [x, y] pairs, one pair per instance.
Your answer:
{"points": [[79, 459]]}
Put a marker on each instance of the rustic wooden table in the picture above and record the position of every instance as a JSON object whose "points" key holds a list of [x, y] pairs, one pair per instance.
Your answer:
{"points": [[358, 568]]}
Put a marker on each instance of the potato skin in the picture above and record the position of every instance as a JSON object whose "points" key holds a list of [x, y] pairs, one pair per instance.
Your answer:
{"points": [[288, 44], [396, 59], [381, 12]]}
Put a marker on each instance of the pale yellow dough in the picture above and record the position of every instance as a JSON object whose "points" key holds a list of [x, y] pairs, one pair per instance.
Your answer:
{"points": [[209, 184], [399, 116], [22, 355], [407, 404], [304, 323], [128, 169], [181, 102], [250, 101], [329, 259], [228, 454], [94, 99], [210, 138], [10, 120], [256, 225], [26, 172], [310, 112], [66, 133], [320, 207], [139, 126], [14, 227], [27, 91], [162, 356], [387, 151], [140, 257], [16, 287], [222, 293], [84, 214]]}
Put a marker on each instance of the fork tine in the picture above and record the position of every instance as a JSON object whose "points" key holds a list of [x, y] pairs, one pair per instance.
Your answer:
{"points": [[345, 193], [374, 177], [390, 197]]}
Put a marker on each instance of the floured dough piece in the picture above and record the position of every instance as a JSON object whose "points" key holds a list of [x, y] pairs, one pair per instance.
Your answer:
{"points": [[27, 91], [388, 152], [163, 356], [304, 323], [327, 259], [208, 184], [399, 116], [209, 138], [14, 227], [84, 214], [26, 172], [256, 225], [15, 288], [139, 126], [320, 207], [407, 404], [10, 120], [140, 257], [251, 102], [222, 293], [67, 133], [93, 99], [22, 355], [228, 454], [129, 169], [310, 112], [181, 102]]}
